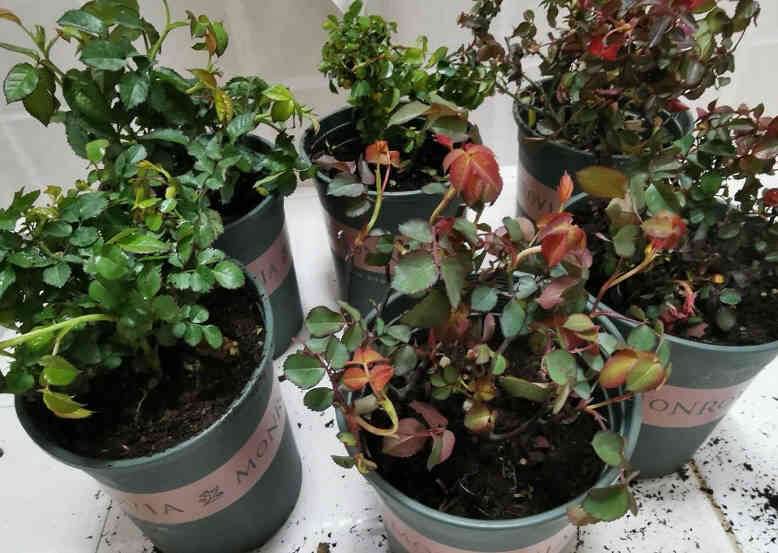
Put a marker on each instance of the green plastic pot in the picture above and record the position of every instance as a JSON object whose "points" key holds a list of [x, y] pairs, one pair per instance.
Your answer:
{"points": [[360, 284], [415, 528], [226, 490], [705, 383], [543, 163], [260, 241]]}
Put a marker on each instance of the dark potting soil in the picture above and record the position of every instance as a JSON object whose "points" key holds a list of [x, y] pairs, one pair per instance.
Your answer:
{"points": [[198, 386], [756, 320], [414, 177], [542, 468]]}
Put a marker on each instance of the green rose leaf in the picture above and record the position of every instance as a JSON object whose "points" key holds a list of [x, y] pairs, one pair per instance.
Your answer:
{"points": [[518, 387], [454, 271], [319, 399], [337, 354], [143, 244], [730, 296], [42, 102], [408, 112], [303, 371], [322, 321], [20, 82], [512, 320], [603, 182], [57, 275], [609, 446], [347, 186], [108, 55], [165, 308], [607, 504], [83, 21], [7, 279], [415, 273], [95, 150], [561, 367], [642, 338], [57, 370], [134, 89], [167, 135], [484, 299], [431, 312], [229, 275], [624, 241], [213, 335], [417, 229]]}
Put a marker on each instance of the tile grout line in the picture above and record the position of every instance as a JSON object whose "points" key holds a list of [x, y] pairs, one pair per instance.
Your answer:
{"points": [[726, 525], [105, 523]]}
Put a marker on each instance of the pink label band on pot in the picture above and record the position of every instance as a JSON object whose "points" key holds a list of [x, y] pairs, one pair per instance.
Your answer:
{"points": [[342, 238], [274, 264], [414, 542], [675, 407], [535, 198], [221, 488]]}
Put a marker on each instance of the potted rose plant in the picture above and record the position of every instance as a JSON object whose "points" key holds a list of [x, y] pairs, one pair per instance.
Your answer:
{"points": [[400, 96], [494, 412], [613, 78], [197, 129], [707, 201], [144, 358]]}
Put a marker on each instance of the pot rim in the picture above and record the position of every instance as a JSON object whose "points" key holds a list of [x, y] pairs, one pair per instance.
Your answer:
{"points": [[82, 462], [310, 131], [759, 348], [264, 202], [629, 429], [524, 128]]}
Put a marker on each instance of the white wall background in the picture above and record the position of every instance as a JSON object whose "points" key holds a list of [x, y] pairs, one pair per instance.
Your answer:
{"points": [[281, 40]]}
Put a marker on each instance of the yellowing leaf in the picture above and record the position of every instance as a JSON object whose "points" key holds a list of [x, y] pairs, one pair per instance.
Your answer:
{"points": [[603, 182]]}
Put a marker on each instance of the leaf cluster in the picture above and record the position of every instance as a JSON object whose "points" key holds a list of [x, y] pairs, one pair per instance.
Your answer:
{"points": [[476, 291], [713, 182], [612, 71], [360, 56], [120, 94], [93, 280]]}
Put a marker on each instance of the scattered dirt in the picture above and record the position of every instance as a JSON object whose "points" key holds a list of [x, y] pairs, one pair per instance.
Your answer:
{"points": [[197, 387], [540, 468], [756, 321]]}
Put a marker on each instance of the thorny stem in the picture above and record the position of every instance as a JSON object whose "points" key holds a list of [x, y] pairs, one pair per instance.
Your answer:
{"points": [[450, 193], [650, 256], [524, 255], [69, 324], [169, 26], [592, 408], [380, 187]]}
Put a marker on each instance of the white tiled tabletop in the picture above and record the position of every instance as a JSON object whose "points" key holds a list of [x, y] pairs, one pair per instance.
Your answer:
{"points": [[717, 505]]}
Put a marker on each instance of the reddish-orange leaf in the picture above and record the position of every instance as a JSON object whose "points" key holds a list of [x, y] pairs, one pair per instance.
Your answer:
{"points": [[617, 368], [444, 140], [665, 230], [380, 375], [355, 378], [365, 356], [474, 174], [770, 197], [380, 154], [552, 293], [565, 190], [431, 415]]}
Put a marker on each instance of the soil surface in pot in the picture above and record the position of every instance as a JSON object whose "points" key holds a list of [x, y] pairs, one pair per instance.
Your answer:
{"points": [[416, 174], [539, 469], [756, 320], [198, 386], [244, 200]]}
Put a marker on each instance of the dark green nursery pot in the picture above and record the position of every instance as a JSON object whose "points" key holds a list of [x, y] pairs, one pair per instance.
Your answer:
{"points": [[415, 528], [705, 383], [260, 240], [543, 163], [226, 490], [360, 284]]}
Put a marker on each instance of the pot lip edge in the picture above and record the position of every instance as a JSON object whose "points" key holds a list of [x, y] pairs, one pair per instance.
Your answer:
{"points": [[758, 348], [326, 180], [571, 149], [82, 462]]}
